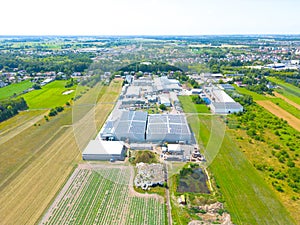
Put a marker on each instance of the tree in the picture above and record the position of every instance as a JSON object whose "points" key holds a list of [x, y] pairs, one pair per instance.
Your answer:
{"points": [[162, 107], [36, 86]]}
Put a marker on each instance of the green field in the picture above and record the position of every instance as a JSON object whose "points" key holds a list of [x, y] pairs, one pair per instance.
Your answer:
{"points": [[278, 101], [50, 96], [12, 89], [36, 161], [286, 106], [288, 90], [244, 91], [248, 198], [190, 107], [103, 196]]}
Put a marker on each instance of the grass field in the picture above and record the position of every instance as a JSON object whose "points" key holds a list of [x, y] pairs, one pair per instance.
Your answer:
{"points": [[36, 163], [50, 96], [288, 90], [104, 196], [12, 89], [287, 100], [244, 91], [280, 107], [190, 107], [286, 106], [281, 113], [248, 198]]}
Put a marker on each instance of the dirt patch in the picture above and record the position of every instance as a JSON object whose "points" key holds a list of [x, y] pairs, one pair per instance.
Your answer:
{"points": [[281, 113], [287, 100]]}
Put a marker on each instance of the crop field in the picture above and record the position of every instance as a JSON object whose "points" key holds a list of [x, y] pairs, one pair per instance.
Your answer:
{"points": [[248, 198], [297, 106], [12, 89], [104, 195], [35, 163], [277, 105], [281, 113], [288, 90], [50, 96], [287, 106]]}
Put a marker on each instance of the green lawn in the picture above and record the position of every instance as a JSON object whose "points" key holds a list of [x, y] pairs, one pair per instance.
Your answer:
{"points": [[248, 198], [190, 107], [50, 96], [12, 89], [288, 90]]}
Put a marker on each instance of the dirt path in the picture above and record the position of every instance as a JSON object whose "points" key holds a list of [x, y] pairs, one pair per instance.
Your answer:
{"points": [[168, 203], [287, 100], [281, 113]]}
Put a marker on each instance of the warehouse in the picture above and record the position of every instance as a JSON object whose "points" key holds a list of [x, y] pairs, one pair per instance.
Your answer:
{"points": [[164, 100], [163, 84], [226, 107], [130, 126], [104, 150], [171, 128]]}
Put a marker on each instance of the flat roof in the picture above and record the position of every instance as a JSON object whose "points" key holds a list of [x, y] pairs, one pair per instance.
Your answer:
{"points": [[221, 96], [98, 147], [227, 105], [175, 124], [174, 147]]}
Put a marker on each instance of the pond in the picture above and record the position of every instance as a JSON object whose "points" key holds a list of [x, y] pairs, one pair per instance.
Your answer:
{"points": [[193, 181]]}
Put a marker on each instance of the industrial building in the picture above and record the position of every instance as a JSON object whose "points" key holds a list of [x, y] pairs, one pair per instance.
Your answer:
{"points": [[221, 102], [139, 127], [226, 107], [130, 126], [163, 84], [171, 128], [104, 150]]}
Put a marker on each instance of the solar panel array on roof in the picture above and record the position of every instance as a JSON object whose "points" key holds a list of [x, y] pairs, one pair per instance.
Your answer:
{"points": [[132, 126], [168, 128]]}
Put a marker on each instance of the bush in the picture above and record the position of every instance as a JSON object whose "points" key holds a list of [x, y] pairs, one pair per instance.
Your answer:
{"points": [[162, 107], [59, 108], [290, 163], [52, 112]]}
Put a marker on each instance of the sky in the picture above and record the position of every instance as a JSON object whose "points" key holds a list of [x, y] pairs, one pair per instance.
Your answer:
{"points": [[149, 17]]}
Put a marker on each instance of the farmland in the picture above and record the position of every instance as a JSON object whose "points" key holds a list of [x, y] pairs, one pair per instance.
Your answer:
{"points": [[50, 96], [104, 195], [37, 161], [276, 105], [248, 198], [288, 90], [16, 88], [281, 113], [272, 147]]}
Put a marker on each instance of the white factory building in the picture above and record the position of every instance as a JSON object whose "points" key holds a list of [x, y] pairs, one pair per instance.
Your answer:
{"points": [[222, 103], [104, 150]]}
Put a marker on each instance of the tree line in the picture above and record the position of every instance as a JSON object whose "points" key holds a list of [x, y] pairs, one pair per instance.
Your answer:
{"points": [[10, 108], [67, 64]]}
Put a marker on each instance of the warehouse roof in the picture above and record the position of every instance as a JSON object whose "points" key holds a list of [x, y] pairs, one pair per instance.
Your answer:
{"points": [[227, 105], [221, 96], [96, 147], [167, 124], [133, 122]]}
